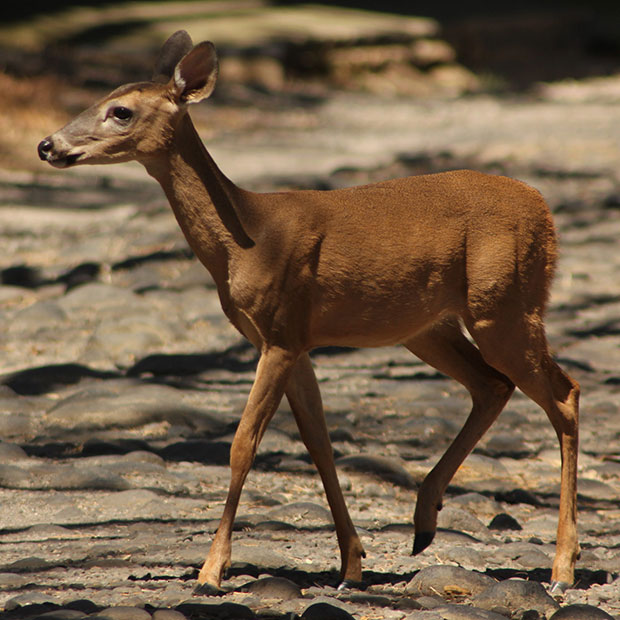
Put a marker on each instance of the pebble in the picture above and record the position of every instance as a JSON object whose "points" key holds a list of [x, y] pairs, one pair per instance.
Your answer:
{"points": [[126, 405], [518, 596], [465, 556], [38, 316], [580, 612], [596, 489], [222, 611], [29, 599], [302, 514], [447, 581], [120, 342], [462, 612], [12, 581], [363, 598], [167, 614], [83, 605], [256, 557], [274, 587], [60, 477], [122, 613], [16, 425], [455, 518], [62, 614], [325, 611], [10, 452], [389, 469], [504, 522]]}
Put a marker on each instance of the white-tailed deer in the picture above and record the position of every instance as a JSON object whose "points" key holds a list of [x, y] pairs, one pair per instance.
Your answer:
{"points": [[408, 261]]}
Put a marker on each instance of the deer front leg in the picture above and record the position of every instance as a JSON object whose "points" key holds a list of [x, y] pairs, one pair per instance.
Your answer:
{"points": [[272, 374], [304, 397]]}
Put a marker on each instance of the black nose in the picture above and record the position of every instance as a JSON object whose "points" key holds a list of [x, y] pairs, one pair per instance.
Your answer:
{"points": [[44, 148]]}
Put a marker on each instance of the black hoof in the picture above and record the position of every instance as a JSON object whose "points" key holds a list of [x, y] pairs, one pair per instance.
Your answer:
{"points": [[207, 589], [349, 584], [421, 541], [558, 588]]}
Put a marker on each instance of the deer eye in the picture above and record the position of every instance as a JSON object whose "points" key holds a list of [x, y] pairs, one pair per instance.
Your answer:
{"points": [[121, 113]]}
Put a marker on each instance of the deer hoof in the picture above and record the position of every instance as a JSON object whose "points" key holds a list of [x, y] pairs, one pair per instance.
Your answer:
{"points": [[421, 541], [207, 589], [557, 589], [349, 584]]}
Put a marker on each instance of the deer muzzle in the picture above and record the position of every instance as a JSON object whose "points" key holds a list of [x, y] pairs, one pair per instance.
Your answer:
{"points": [[45, 148], [49, 153]]}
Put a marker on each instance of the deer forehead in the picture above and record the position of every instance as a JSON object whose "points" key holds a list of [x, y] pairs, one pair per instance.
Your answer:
{"points": [[139, 96]]}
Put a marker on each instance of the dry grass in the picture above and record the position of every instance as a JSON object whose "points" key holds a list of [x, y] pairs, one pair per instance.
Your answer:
{"points": [[31, 110]]}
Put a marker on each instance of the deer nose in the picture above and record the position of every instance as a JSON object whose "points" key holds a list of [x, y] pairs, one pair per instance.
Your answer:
{"points": [[44, 148]]}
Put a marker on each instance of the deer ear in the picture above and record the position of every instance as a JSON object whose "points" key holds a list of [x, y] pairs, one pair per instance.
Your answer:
{"points": [[196, 73], [171, 52]]}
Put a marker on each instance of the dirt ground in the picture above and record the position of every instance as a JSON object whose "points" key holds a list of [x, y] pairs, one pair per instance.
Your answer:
{"points": [[121, 382]]}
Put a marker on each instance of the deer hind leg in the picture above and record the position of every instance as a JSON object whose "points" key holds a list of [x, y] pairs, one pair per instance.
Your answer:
{"points": [[304, 397], [519, 349], [445, 347], [274, 368]]}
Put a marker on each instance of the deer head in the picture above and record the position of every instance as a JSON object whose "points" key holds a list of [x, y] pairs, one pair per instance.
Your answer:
{"points": [[137, 121]]}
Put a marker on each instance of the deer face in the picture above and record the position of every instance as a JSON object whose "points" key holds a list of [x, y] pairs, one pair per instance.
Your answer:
{"points": [[136, 121]]}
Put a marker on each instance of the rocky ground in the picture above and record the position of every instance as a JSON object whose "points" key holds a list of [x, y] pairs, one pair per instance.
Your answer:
{"points": [[121, 385]]}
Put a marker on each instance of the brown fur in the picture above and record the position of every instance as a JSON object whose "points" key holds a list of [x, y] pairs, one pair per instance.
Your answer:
{"points": [[407, 261]]}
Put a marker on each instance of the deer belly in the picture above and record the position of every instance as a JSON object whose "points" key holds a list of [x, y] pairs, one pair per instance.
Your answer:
{"points": [[357, 323]]}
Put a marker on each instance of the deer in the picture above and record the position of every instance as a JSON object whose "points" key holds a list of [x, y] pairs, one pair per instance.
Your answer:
{"points": [[456, 266]]}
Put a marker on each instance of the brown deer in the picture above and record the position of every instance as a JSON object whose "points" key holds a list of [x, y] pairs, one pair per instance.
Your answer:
{"points": [[410, 261]]}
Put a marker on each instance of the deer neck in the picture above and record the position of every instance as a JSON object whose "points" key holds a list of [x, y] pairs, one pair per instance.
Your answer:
{"points": [[207, 205]]}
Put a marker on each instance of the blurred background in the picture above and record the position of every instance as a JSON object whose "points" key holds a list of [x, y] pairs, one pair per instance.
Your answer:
{"points": [[56, 57]]}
